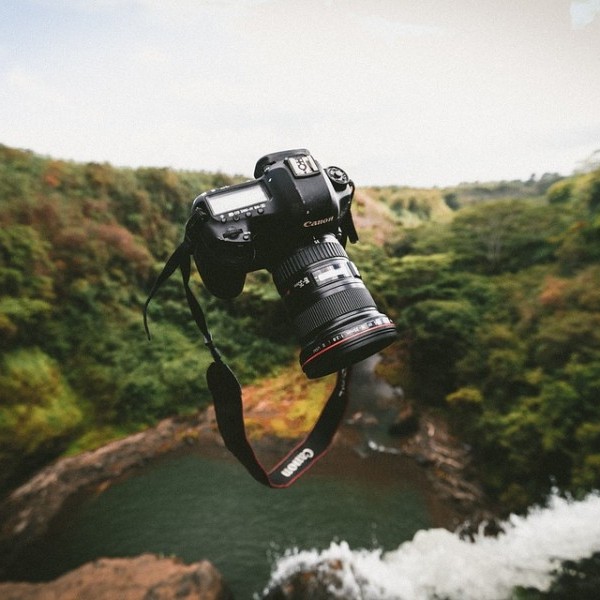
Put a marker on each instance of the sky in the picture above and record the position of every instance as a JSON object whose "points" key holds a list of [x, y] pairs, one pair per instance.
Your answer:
{"points": [[396, 92]]}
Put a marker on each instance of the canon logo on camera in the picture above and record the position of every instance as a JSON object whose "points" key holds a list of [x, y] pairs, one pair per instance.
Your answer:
{"points": [[317, 222]]}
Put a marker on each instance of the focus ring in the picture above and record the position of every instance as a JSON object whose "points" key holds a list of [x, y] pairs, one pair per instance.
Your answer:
{"points": [[331, 307], [304, 257]]}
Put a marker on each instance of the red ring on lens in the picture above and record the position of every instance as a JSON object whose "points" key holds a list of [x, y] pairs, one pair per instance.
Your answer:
{"points": [[345, 340]]}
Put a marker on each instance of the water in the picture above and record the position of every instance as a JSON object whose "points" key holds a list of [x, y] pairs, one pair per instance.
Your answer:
{"points": [[375, 515], [197, 507], [439, 564]]}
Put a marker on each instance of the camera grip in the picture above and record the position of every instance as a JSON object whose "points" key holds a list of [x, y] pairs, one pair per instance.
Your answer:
{"points": [[223, 281]]}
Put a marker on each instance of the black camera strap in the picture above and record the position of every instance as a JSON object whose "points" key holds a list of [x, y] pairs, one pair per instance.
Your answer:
{"points": [[227, 396]]}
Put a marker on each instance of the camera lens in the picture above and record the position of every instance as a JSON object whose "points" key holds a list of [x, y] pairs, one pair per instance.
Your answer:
{"points": [[334, 314]]}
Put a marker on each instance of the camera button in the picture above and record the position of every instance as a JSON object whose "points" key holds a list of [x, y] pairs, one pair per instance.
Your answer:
{"points": [[338, 177], [232, 233]]}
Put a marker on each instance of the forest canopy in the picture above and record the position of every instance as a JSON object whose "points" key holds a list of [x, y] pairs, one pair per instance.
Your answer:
{"points": [[494, 288]]}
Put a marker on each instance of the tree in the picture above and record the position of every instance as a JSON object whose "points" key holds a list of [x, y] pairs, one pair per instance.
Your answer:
{"points": [[438, 333], [506, 236], [38, 410]]}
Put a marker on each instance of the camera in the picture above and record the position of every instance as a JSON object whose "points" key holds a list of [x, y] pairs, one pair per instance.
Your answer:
{"points": [[293, 220]]}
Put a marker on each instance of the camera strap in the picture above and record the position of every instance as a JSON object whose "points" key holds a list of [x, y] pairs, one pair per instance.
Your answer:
{"points": [[227, 396]]}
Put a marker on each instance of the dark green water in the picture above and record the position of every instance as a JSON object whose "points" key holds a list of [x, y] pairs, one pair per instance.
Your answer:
{"points": [[198, 507]]}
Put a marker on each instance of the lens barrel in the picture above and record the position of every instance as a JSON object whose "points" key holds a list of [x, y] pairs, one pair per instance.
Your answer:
{"points": [[333, 313]]}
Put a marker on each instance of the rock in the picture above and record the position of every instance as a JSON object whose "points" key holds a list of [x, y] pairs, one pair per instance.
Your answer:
{"points": [[406, 422], [301, 586], [26, 512], [322, 583], [146, 577], [362, 419]]}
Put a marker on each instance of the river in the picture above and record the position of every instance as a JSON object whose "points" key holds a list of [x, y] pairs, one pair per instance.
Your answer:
{"points": [[437, 563], [374, 512], [196, 507], [202, 504]]}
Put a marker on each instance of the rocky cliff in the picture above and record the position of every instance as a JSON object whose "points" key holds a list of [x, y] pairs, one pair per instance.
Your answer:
{"points": [[27, 511], [145, 577]]}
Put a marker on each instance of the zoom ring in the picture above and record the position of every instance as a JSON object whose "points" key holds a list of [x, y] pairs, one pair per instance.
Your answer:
{"points": [[305, 257], [331, 307]]}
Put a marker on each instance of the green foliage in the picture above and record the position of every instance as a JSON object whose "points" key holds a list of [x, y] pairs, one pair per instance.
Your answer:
{"points": [[467, 194], [499, 314], [560, 192], [573, 579], [494, 289], [465, 397], [79, 247], [440, 331], [527, 392], [506, 236], [38, 409], [590, 190], [414, 206]]}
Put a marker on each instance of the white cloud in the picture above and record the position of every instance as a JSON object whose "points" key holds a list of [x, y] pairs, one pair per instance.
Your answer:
{"points": [[84, 5], [393, 90], [392, 32], [583, 12], [31, 88]]}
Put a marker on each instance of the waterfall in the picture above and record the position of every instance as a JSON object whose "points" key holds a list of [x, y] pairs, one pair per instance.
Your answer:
{"points": [[437, 563]]}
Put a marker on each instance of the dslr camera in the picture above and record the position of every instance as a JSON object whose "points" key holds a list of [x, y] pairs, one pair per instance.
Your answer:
{"points": [[294, 220]]}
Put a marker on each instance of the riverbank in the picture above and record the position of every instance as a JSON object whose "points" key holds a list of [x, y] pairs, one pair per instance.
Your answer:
{"points": [[27, 511], [430, 458], [140, 578]]}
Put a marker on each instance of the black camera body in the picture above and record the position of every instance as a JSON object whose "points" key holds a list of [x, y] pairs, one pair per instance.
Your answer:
{"points": [[294, 220], [253, 225]]}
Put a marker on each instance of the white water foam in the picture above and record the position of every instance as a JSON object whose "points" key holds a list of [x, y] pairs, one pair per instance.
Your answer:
{"points": [[439, 564]]}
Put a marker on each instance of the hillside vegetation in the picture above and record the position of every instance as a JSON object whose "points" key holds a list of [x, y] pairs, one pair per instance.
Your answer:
{"points": [[80, 245], [494, 287], [499, 314]]}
